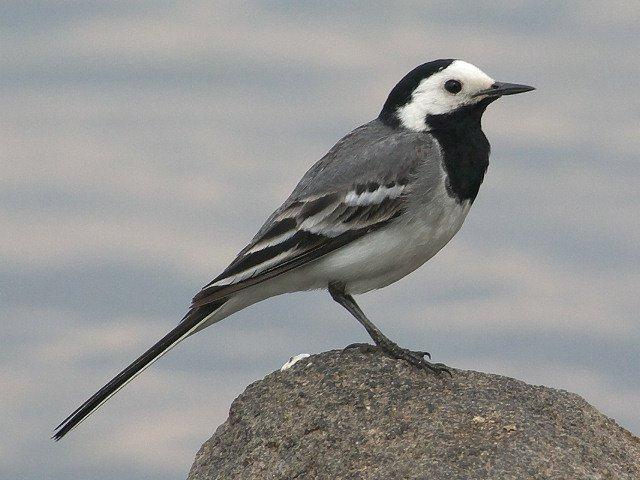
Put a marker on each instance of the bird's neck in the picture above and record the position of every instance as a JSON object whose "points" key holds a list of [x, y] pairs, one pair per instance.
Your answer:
{"points": [[464, 118], [465, 150]]}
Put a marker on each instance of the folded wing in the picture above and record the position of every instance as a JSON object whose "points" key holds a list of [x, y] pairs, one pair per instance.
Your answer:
{"points": [[306, 229]]}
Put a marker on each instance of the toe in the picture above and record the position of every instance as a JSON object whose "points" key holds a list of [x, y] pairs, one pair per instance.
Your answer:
{"points": [[441, 368], [423, 353], [358, 345]]}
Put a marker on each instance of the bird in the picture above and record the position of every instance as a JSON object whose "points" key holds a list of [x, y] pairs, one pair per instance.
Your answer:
{"points": [[383, 200]]}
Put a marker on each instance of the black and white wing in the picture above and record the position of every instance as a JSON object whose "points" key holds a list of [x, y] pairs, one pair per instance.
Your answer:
{"points": [[305, 230]]}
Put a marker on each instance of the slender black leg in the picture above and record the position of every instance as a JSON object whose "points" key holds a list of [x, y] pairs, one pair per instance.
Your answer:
{"points": [[391, 348]]}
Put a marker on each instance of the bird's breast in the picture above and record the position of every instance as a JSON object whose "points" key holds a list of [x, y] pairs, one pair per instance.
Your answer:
{"points": [[465, 158]]}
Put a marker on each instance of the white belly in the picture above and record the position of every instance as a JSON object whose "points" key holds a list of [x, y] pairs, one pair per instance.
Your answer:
{"points": [[389, 254]]}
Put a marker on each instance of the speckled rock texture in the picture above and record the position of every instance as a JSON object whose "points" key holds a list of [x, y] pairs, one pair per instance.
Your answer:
{"points": [[358, 414]]}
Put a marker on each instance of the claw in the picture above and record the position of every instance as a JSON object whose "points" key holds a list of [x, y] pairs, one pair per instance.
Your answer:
{"points": [[423, 354], [440, 368], [436, 368]]}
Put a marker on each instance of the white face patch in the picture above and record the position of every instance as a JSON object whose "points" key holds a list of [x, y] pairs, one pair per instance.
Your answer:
{"points": [[431, 98]]}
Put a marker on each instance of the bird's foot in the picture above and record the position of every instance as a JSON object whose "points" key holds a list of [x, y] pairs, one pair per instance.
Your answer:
{"points": [[414, 358], [368, 346]]}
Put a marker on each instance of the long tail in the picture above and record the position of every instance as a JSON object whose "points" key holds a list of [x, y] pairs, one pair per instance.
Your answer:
{"points": [[187, 326]]}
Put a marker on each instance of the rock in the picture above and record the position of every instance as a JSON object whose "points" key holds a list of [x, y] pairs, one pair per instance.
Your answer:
{"points": [[358, 414]]}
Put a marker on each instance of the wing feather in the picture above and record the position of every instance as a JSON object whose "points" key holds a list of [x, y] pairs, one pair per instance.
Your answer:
{"points": [[305, 231]]}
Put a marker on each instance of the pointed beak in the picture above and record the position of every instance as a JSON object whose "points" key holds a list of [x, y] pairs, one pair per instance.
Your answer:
{"points": [[499, 89]]}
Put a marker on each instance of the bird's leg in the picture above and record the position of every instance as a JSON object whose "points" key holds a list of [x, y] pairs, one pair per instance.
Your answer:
{"points": [[388, 346]]}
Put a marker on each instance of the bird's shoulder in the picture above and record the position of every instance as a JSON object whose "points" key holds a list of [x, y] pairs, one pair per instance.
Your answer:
{"points": [[373, 157], [373, 152]]}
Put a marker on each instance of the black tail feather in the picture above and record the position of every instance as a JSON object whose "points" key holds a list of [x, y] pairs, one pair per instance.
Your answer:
{"points": [[191, 321]]}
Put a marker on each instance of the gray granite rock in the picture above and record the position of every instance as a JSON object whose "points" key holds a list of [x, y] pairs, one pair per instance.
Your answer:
{"points": [[358, 414]]}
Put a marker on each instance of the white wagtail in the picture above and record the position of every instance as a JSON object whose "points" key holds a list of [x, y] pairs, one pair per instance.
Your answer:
{"points": [[384, 200]]}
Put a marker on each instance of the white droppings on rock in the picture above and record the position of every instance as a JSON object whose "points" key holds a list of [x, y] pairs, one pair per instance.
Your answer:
{"points": [[293, 360]]}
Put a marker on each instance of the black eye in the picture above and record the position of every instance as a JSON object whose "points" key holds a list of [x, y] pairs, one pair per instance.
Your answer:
{"points": [[453, 86]]}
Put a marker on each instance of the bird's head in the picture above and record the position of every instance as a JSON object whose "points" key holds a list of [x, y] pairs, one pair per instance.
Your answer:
{"points": [[441, 93]]}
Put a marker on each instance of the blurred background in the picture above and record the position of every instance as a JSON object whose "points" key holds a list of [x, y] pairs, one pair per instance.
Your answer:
{"points": [[143, 143]]}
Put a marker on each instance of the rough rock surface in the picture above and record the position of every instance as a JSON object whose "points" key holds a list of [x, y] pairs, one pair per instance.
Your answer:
{"points": [[358, 414]]}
